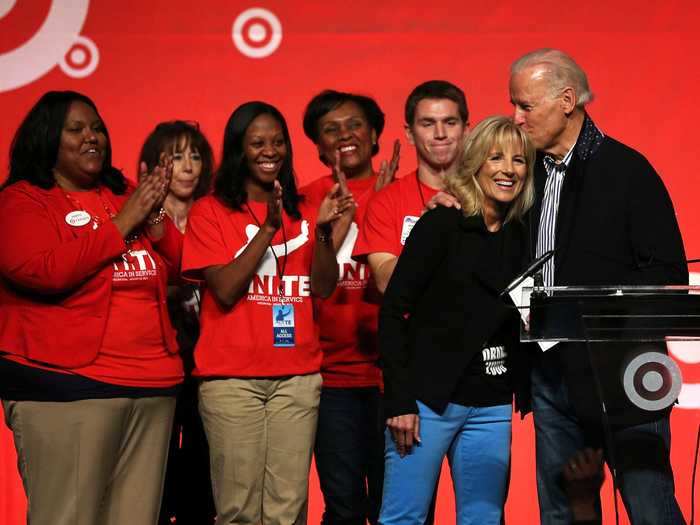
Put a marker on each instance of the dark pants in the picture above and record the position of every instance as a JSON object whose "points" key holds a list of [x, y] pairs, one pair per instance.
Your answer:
{"points": [[350, 455], [641, 451], [187, 495]]}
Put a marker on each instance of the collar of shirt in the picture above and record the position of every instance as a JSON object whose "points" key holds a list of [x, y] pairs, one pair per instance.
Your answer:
{"points": [[552, 166], [589, 140]]}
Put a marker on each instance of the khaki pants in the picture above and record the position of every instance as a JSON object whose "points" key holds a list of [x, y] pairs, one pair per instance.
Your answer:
{"points": [[90, 462], [261, 434]]}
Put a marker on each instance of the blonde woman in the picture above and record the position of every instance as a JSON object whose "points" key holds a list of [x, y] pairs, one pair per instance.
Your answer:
{"points": [[448, 341]]}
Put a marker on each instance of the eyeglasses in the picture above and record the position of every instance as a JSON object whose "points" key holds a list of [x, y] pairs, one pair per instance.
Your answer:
{"points": [[191, 123]]}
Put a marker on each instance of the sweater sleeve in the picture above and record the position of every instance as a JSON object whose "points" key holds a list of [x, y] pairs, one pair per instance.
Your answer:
{"points": [[425, 249], [36, 257], [654, 234]]}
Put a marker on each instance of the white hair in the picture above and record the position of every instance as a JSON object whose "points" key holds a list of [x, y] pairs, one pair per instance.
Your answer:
{"points": [[560, 70]]}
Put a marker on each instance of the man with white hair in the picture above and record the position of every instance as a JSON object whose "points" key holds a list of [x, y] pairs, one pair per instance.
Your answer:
{"points": [[606, 212]]}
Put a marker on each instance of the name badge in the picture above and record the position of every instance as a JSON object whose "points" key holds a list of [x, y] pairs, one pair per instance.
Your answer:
{"points": [[409, 221], [283, 325], [78, 218]]}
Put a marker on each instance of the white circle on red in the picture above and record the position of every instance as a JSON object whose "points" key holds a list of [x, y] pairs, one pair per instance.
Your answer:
{"points": [[82, 58], [78, 218], [257, 32]]}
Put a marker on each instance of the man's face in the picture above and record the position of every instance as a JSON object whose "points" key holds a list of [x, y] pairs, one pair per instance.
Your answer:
{"points": [[436, 132], [540, 114]]}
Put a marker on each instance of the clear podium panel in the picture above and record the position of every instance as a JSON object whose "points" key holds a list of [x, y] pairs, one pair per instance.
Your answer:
{"points": [[610, 313]]}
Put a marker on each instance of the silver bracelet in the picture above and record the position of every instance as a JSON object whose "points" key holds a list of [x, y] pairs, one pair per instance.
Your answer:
{"points": [[159, 218]]}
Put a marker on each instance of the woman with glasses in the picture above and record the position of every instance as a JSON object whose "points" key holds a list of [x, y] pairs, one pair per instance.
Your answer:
{"points": [[187, 496]]}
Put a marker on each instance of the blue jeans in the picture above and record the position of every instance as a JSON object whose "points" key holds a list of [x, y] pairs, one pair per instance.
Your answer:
{"points": [[477, 443], [349, 455], [645, 478]]}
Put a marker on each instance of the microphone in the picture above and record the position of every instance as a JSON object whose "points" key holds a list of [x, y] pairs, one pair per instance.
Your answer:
{"points": [[529, 272], [538, 285]]}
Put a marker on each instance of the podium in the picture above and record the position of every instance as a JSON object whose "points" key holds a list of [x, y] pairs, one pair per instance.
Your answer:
{"points": [[633, 321], [612, 313], [616, 337]]}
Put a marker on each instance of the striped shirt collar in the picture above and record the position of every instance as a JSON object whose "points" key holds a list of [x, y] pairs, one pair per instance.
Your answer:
{"points": [[552, 166]]}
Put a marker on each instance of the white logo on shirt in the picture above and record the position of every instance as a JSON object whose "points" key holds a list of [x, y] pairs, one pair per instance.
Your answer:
{"points": [[495, 360], [409, 221], [265, 285], [351, 274], [78, 218], [135, 265], [267, 264], [132, 259], [345, 252]]}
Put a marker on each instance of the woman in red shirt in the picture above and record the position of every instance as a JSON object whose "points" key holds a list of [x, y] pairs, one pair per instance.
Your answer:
{"points": [[187, 496], [263, 253], [88, 360], [346, 128]]}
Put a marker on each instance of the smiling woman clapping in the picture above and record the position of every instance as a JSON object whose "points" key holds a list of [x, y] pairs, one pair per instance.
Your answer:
{"points": [[262, 253], [88, 360]]}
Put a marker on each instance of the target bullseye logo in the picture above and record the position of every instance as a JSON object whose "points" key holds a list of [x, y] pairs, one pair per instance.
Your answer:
{"points": [[81, 59], [257, 32], [652, 381], [58, 41]]}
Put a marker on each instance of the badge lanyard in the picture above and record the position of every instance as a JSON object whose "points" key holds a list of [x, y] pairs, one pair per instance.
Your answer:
{"points": [[283, 324], [280, 269], [420, 190]]}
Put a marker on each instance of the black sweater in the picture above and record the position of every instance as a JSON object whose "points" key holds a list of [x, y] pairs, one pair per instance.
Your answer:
{"points": [[442, 306]]}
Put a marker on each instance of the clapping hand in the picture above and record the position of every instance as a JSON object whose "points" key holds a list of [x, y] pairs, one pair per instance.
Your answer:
{"points": [[388, 169], [148, 196], [164, 173], [334, 205], [273, 220], [338, 200]]}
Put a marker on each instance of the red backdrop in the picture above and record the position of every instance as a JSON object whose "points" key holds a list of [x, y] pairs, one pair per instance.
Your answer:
{"points": [[143, 62]]}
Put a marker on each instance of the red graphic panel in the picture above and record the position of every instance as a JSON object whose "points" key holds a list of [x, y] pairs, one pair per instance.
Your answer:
{"points": [[144, 62]]}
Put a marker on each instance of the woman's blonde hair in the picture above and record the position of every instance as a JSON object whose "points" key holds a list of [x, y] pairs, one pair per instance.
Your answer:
{"points": [[497, 130]]}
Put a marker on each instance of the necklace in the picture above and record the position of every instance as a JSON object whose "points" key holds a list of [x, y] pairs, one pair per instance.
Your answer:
{"points": [[96, 219], [420, 190]]}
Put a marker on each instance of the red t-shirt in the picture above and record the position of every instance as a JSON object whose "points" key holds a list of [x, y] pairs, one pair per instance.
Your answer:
{"points": [[133, 345], [239, 342], [133, 351], [348, 319], [391, 215]]}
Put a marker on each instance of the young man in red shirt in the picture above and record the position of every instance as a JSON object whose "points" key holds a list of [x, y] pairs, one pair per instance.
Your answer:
{"points": [[437, 120]]}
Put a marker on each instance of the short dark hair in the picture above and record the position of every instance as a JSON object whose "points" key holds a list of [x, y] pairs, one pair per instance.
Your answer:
{"points": [[166, 136], [329, 99], [436, 89], [34, 149], [229, 183]]}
